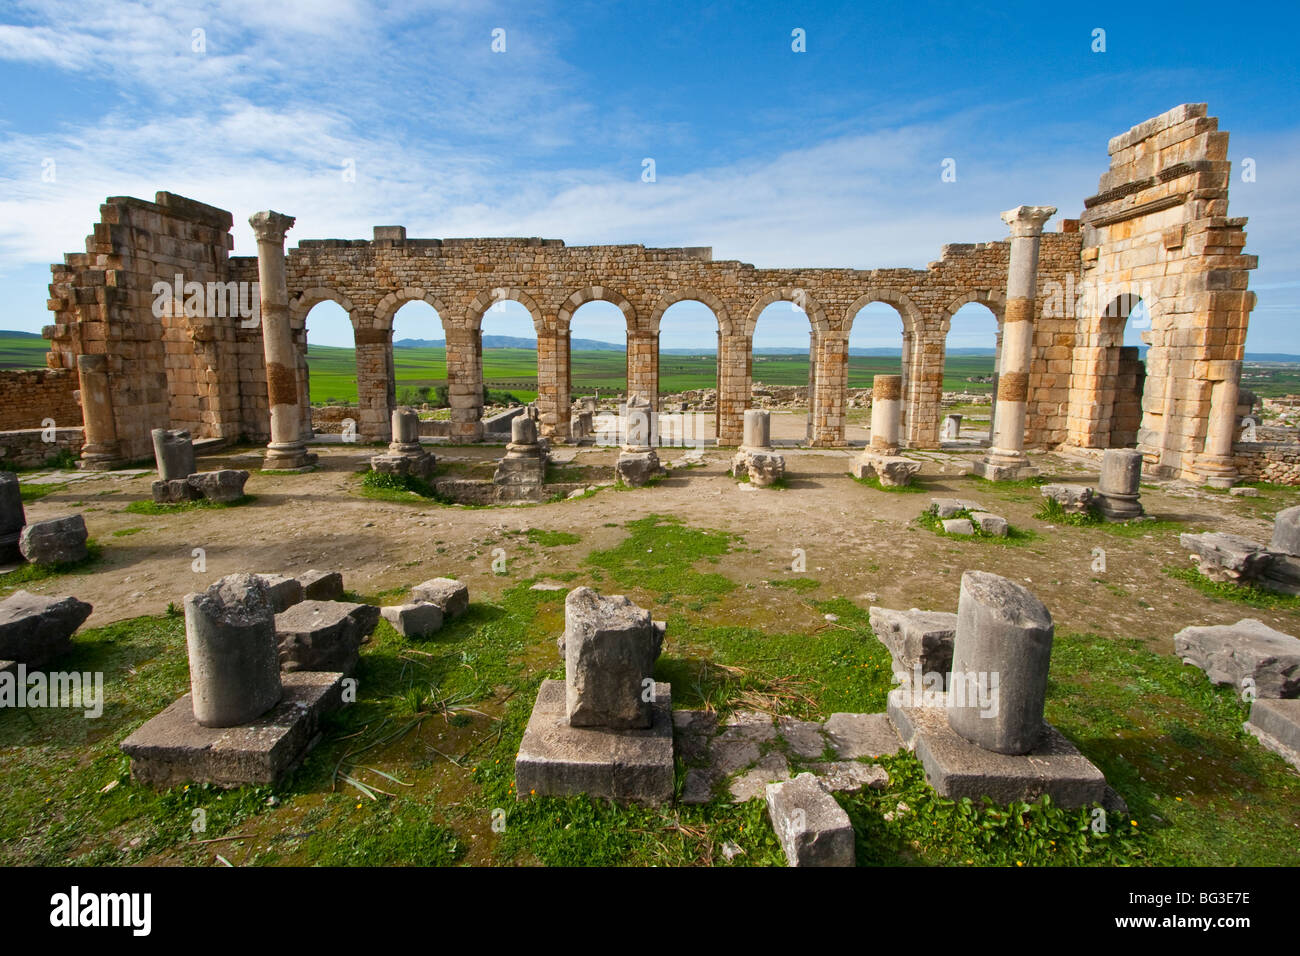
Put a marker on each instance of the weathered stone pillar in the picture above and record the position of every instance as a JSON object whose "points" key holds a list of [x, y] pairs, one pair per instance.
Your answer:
{"points": [[464, 384], [552, 387], [1000, 659], [233, 651], [1215, 464], [643, 366], [1121, 481], [1006, 458], [830, 386], [376, 384], [758, 429], [173, 452], [101, 450], [286, 450], [734, 371], [886, 403]]}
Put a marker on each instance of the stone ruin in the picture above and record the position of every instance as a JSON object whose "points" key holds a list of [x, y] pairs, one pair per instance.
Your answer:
{"points": [[1158, 230], [36, 629], [521, 474], [881, 460], [405, 457], [756, 460], [607, 728], [1117, 495], [1233, 559], [638, 462], [178, 481], [266, 664], [53, 541]]}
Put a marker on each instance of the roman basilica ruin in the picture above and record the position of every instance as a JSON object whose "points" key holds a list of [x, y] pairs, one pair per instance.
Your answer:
{"points": [[224, 365]]}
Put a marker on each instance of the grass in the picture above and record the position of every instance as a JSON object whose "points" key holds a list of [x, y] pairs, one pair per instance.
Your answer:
{"points": [[1249, 594], [126, 532], [418, 769], [798, 585], [930, 520], [552, 539], [37, 492], [1053, 512], [29, 573], [146, 507], [914, 487]]}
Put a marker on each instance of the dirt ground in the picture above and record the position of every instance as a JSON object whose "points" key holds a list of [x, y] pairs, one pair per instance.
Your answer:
{"points": [[859, 542]]}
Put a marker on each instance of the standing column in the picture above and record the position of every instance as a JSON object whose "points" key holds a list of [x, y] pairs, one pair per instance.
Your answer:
{"points": [[100, 449], [1215, 465], [287, 451], [886, 405], [1006, 458]]}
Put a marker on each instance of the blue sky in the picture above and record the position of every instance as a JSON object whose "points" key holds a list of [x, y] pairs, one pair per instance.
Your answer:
{"points": [[831, 157]]}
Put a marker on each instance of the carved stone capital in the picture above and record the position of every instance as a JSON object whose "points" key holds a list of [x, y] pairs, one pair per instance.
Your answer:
{"points": [[270, 226], [1028, 221]]}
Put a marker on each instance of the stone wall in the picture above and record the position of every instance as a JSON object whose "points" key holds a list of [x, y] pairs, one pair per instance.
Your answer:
{"points": [[29, 398], [1276, 462], [28, 448]]}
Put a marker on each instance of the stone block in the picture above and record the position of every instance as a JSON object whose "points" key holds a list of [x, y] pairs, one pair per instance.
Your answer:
{"points": [[893, 471], [414, 620], [851, 776], [1074, 499], [1286, 532], [916, 638], [557, 759], [230, 641], [1250, 649], [57, 541], [990, 523], [947, 507], [322, 585], [448, 594], [1276, 724], [610, 647], [282, 591], [812, 828], [862, 735], [957, 768], [175, 491], [173, 748], [1227, 557], [222, 486], [962, 526], [35, 629], [637, 468], [324, 635]]}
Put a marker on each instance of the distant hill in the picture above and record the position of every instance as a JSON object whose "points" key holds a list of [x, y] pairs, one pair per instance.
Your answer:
{"points": [[19, 335]]}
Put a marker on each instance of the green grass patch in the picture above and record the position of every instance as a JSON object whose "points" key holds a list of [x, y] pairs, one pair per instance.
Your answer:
{"points": [[930, 520], [1249, 594], [27, 573], [552, 539], [1053, 512], [798, 585], [659, 555], [147, 507], [126, 532], [37, 492], [913, 488]]}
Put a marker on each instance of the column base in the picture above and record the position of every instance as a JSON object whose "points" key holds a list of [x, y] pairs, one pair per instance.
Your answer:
{"points": [[288, 458], [1216, 472], [1003, 469], [100, 461]]}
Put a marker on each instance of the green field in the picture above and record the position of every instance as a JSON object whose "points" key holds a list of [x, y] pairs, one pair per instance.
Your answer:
{"points": [[333, 370]]}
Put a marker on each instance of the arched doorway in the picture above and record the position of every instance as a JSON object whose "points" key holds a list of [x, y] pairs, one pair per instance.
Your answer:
{"points": [[689, 333], [877, 346], [972, 353], [1124, 323]]}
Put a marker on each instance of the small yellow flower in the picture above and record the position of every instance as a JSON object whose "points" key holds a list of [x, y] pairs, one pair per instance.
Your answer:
{"points": [[532, 793], [1018, 863], [1134, 822]]}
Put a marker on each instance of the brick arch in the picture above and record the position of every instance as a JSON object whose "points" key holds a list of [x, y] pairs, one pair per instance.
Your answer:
{"points": [[596, 293], [485, 299], [387, 308], [908, 310], [994, 301], [691, 294], [816, 314]]}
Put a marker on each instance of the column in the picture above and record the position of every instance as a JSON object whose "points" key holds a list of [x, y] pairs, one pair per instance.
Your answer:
{"points": [[1215, 464], [886, 422], [1006, 458], [464, 384], [376, 384], [287, 451], [643, 366], [552, 397], [101, 450], [830, 386]]}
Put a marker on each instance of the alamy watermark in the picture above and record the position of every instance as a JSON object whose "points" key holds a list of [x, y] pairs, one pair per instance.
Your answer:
{"points": [[39, 689], [215, 300]]}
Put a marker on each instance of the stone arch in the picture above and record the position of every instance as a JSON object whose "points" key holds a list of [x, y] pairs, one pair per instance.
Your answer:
{"points": [[308, 299], [485, 300], [688, 294], [800, 297], [595, 293], [1109, 402], [389, 304], [993, 300], [908, 310]]}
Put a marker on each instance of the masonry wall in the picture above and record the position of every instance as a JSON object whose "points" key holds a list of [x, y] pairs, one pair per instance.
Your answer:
{"points": [[29, 398]]}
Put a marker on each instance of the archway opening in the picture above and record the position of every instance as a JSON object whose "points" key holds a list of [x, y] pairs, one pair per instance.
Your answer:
{"points": [[877, 346], [972, 352], [508, 356], [1123, 324], [688, 373], [783, 371], [417, 373], [598, 353]]}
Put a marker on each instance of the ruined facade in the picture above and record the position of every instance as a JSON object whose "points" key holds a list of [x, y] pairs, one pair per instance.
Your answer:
{"points": [[1157, 231]]}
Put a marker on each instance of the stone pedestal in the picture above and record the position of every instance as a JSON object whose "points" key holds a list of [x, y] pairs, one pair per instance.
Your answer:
{"points": [[1121, 478], [607, 730], [638, 462], [951, 429], [173, 452], [755, 458], [522, 472], [234, 658], [1000, 658], [405, 455], [12, 517], [892, 470]]}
